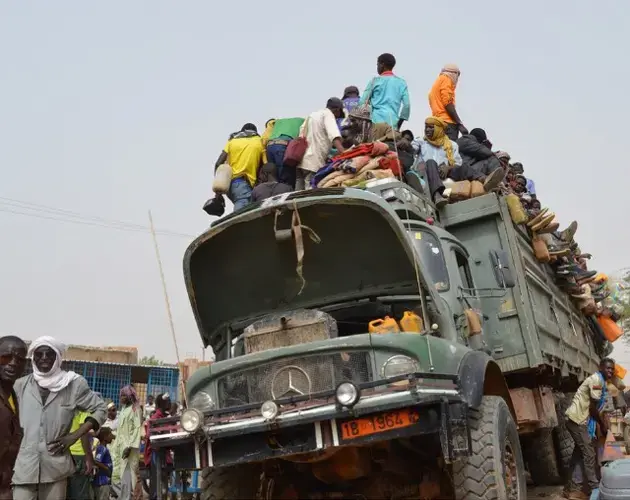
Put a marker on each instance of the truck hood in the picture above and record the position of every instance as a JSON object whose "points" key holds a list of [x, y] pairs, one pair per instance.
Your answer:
{"points": [[239, 270]]}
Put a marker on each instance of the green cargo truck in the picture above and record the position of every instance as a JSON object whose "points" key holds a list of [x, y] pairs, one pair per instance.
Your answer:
{"points": [[303, 402]]}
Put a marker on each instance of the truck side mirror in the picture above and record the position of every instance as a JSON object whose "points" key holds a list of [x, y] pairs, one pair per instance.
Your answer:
{"points": [[502, 270]]}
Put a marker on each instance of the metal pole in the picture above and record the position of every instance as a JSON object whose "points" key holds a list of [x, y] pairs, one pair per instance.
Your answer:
{"points": [[167, 300]]}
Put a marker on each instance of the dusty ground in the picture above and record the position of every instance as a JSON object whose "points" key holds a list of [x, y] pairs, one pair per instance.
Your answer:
{"points": [[543, 492]]}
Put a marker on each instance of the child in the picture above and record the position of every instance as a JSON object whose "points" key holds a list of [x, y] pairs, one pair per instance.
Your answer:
{"points": [[103, 463]]}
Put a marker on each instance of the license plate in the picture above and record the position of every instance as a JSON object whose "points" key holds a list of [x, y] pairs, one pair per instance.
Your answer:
{"points": [[382, 422]]}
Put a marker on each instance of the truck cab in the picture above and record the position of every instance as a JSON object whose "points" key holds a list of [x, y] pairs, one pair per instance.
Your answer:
{"points": [[305, 401]]}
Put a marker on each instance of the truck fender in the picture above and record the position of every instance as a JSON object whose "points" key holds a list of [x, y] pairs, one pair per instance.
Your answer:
{"points": [[480, 375]]}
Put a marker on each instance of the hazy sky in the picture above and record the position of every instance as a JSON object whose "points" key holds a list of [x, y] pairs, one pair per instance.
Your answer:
{"points": [[112, 108]]}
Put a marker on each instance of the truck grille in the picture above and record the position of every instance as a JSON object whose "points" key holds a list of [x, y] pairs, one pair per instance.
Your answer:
{"points": [[293, 377]]}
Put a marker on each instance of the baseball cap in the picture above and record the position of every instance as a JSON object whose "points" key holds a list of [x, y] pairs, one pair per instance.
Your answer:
{"points": [[350, 90], [334, 102]]}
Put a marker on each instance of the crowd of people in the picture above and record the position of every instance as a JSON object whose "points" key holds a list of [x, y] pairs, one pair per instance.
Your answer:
{"points": [[357, 138], [61, 439]]}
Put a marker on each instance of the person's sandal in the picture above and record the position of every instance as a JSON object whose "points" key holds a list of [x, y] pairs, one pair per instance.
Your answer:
{"points": [[538, 217], [551, 228], [493, 181], [543, 223]]}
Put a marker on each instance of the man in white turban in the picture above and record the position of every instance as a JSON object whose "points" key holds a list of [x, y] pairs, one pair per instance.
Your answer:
{"points": [[48, 400]]}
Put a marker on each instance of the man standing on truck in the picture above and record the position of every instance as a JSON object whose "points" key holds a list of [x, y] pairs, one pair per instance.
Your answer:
{"points": [[442, 101], [583, 416], [387, 94], [321, 132], [244, 153], [284, 131]]}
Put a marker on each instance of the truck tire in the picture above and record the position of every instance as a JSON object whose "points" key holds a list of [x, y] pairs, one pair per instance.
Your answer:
{"points": [[495, 470], [542, 460], [240, 481], [563, 440]]}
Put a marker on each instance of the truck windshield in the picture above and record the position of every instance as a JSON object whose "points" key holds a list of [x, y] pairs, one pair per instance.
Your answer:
{"points": [[430, 253]]}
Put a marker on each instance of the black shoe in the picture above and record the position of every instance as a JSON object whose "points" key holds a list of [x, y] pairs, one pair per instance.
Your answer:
{"points": [[215, 207]]}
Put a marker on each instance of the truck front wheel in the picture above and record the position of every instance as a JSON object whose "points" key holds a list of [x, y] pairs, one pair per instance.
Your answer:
{"points": [[239, 481], [495, 470]]}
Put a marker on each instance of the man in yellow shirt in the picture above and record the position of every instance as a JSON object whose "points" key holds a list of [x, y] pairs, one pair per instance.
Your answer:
{"points": [[442, 101], [244, 153], [80, 484], [583, 415]]}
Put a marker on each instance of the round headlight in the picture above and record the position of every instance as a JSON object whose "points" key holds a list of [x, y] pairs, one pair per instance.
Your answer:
{"points": [[202, 402], [347, 394], [269, 410], [191, 420], [399, 365]]}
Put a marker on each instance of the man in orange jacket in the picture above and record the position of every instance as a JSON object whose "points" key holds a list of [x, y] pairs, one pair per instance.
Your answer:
{"points": [[442, 101]]}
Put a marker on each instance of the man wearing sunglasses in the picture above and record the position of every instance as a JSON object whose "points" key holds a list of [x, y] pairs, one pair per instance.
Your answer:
{"points": [[12, 363]]}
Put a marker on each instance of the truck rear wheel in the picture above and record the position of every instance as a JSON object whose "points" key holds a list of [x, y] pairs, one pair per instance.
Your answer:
{"points": [[495, 469], [239, 481], [563, 441], [542, 460]]}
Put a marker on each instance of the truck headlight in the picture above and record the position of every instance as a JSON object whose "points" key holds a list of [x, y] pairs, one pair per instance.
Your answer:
{"points": [[202, 401], [347, 394], [191, 420], [399, 365], [269, 410]]}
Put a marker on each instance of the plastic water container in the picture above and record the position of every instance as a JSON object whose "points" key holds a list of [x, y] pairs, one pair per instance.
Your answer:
{"points": [[411, 322], [222, 179], [615, 483], [383, 325]]}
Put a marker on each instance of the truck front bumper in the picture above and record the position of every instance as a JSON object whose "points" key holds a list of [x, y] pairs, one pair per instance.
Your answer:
{"points": [[314, 430]]}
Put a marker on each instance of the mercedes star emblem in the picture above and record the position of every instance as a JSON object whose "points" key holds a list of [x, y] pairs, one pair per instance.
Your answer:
{"points": [[290, 381]]}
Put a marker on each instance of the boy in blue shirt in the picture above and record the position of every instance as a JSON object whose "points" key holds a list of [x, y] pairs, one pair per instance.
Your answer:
{"points": [[104, 465]]}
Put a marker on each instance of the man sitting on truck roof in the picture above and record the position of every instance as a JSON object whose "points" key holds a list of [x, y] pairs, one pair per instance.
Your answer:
{"points": [[476, 150], [583, 416], [441, 158]]}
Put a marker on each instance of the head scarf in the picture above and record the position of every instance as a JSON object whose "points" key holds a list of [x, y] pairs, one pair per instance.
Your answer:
{"points": [[439, 138], [452, 71], [56, 379], [502, 155], [131, 395]]}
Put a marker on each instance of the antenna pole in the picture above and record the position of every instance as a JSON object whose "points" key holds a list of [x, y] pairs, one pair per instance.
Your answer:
{"points": [[166, 299]]}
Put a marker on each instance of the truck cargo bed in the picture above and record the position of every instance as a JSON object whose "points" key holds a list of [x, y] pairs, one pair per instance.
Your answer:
{"points": [[535, 323]]}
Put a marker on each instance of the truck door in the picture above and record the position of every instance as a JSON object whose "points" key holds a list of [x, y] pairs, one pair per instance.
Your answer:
{"points": [[462, 285]]}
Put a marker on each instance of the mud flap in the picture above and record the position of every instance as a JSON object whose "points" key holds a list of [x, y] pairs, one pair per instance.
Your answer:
{"points": [[454, 431]]}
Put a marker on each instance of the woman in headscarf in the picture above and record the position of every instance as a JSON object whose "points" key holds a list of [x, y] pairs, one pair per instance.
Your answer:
{"points": [[128, 438], [442, 101]]}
